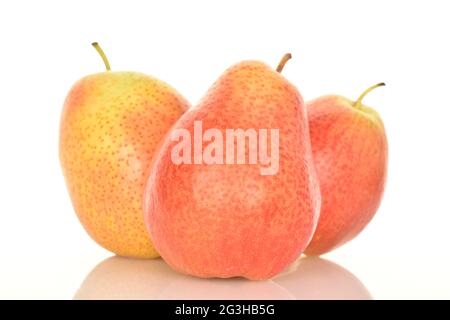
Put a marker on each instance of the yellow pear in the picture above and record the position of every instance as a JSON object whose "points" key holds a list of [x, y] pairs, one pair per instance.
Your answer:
{"points": [[111, 126]]}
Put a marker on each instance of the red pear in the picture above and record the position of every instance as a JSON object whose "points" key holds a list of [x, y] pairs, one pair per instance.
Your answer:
{"points": [[224, 217], [350, 154]]}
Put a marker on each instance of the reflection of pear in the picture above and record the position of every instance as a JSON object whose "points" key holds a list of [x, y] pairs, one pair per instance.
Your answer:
{"points": [[316, 278], [224, 289], [122, 278], [308, 278]]}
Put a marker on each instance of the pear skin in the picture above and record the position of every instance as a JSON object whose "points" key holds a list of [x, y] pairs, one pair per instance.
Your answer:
{"points": [[351, 155], [229, 220], [111, 125]]}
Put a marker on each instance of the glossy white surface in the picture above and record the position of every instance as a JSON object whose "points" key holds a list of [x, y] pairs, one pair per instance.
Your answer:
{"points": [[313, 278]]}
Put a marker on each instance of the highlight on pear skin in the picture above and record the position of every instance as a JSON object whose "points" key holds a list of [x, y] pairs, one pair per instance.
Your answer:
{"points": [[240, 185]]}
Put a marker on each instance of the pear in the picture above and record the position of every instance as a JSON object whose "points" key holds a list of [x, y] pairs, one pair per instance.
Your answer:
{"points": [[111, 125], [350, 153], [233, 191]]}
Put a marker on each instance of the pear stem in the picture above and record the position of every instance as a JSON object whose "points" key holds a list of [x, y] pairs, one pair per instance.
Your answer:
{"points": [[358, 103], [102, 54], [283, 61]]}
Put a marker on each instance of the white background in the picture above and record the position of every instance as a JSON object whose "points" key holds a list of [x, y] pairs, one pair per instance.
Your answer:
{"points": [[338, 47]]}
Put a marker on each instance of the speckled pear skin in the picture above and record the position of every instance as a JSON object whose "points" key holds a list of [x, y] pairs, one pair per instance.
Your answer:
{"points": [[229, 220], [111, 125], [351, 153]]}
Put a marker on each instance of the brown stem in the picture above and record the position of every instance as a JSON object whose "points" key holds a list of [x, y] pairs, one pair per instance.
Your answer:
{"points": [[283, 61]]}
